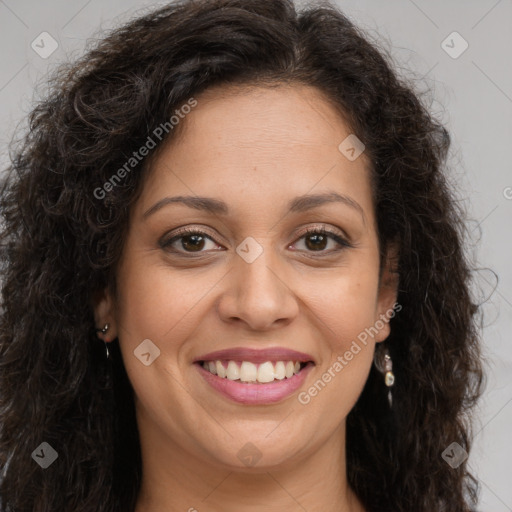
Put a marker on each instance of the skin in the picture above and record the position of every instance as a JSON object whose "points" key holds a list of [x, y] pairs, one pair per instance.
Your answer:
{"points": [[255, 149]]}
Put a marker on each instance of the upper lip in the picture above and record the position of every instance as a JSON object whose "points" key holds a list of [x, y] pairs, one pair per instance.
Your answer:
{"points": [[257, 356]]}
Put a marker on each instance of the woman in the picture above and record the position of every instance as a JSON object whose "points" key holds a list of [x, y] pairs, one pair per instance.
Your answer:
{"points": [[234, 277]]}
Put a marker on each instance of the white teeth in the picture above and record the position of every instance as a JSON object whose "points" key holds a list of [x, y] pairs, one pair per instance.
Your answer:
{"points": [[221, 371], [233, 372], [280, 372], [250, 372], [266, 372]]}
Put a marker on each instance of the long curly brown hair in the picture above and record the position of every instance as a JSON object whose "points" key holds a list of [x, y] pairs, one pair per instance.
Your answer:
{"points": [[60, 245]]}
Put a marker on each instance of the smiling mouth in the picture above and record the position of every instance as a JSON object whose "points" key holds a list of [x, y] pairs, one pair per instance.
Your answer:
{"points": [[251, 373]]}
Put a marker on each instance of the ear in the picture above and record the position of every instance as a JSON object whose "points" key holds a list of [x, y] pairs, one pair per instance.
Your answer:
{"points": [[388, 292], [103, 305]]}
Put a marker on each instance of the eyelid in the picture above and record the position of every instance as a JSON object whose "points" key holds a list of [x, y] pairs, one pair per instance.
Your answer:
{"points": [[329, 230], [187, 230]]}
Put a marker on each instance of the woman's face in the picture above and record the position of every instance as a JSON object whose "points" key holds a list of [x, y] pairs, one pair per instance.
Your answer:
{"points": [[252, 290]]}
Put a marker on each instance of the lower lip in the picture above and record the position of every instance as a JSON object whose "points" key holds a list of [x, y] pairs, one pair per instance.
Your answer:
{"points": [[255, 393]]}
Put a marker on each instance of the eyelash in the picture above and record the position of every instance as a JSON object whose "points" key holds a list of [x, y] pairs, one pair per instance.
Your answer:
{"points": [[343, 243]]}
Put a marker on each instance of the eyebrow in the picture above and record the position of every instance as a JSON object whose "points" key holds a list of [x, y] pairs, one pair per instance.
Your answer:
{"points": [[297, 205]]}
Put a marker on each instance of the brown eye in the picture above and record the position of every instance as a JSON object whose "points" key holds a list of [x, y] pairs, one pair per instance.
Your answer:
{"points": [[192, 243], [317, 240], [187, 241]]}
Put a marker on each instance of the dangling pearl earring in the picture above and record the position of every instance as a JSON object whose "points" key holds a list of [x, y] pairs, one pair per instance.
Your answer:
{"points": [[104, 331], [384, 364]]}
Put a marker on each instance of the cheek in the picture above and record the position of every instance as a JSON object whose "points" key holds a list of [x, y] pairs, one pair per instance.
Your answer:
{"points": [[345, 317], [345, 303], [155, 303], [166, 307], [344, 310]]}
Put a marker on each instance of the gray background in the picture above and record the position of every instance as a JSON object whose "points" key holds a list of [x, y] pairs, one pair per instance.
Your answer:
{"points": [[471, 94]]}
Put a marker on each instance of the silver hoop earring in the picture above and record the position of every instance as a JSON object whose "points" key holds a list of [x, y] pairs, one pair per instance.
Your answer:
{"points": [[384, 364]]}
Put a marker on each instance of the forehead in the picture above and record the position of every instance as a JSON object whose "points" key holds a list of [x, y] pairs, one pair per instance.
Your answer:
{"points": [[259, 145], [262, 117]]}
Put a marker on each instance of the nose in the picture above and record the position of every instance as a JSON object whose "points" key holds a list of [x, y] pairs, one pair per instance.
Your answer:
{"points": [[258, 294]]}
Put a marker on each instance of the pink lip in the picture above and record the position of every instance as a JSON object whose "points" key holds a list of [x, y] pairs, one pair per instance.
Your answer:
{"points": [[255, 393], [256, 356]]}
